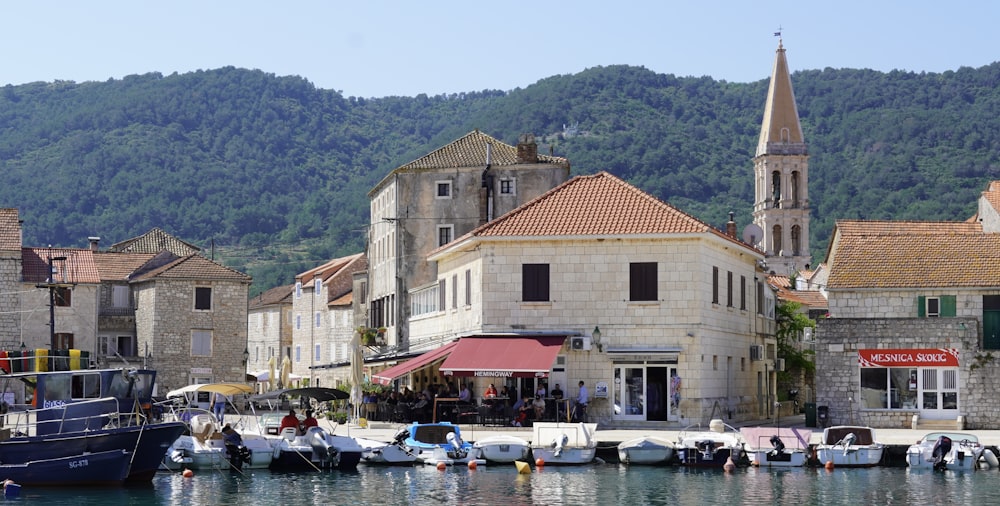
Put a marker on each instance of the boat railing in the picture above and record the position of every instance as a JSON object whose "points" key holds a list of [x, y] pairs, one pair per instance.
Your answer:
{"points": [[84, 415]]}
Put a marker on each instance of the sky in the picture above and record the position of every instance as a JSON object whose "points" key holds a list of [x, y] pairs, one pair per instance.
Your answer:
{"points": [[379, 48]]}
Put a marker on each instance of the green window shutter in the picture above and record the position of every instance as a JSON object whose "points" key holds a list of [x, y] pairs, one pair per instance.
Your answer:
{"points": [[921, 306], [947, 306]]}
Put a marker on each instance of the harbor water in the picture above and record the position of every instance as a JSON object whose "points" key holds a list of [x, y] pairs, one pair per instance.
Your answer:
{"points": [[501, 484]]}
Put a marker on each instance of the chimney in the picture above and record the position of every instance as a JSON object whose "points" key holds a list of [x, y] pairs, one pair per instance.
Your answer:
{"points": [[93, 243], [527, 150], [731, 226]]}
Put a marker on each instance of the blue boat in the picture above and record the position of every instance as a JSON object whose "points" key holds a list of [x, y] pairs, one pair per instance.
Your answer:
{"points": [[87, 411], [441, 443], [108, 468]]}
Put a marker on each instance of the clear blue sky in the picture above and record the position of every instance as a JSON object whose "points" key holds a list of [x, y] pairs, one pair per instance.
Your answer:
{"points": [[373, 48]]}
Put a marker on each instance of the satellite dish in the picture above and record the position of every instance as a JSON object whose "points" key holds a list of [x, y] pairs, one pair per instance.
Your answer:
{"points": [[752, 234]]}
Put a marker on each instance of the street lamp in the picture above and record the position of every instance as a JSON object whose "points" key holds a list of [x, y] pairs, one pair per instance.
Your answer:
{"points": [[246, 355], [595, 337]]}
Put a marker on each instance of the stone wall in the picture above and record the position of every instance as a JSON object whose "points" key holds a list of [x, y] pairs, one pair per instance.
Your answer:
{"points": [[10, 282], [838, 371]]}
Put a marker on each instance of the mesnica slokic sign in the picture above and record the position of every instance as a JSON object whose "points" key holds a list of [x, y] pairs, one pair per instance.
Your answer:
{"points": [[929, 357]]}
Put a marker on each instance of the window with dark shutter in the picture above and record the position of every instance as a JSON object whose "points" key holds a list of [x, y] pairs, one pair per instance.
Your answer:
{"points": [[535, 282], [642, 281]]}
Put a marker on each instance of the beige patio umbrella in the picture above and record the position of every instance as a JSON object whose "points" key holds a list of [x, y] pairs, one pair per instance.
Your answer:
{"points": [[272, 370], [286, 373]]}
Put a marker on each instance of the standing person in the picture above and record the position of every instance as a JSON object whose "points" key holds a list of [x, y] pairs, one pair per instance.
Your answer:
{"points": [[581, 402], [541, 390], [219, 406], [557, 394]]}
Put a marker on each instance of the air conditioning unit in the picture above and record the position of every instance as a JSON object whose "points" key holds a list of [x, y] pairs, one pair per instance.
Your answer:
{"points": [[756, 352], [580, 343], [779, 364]]}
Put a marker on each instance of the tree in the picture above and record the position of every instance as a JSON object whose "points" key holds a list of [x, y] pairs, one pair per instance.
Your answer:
{"points": [[791, 322]]}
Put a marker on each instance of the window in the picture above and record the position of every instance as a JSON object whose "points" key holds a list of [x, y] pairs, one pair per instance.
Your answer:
{"points": [[63, 341], [935, 307], [776, 239], [298, 289], [642, 281], [298, 321], [760, 298], [454, 291], [202, 298], [535, 282], [444, 234], [468, 287], [442, 284], [743, 293], [507, 187], [317, 354], [319, 319], [63, 296], [729, 288], [298, 354], [120, 296], [201, 343], [318, 289], [443, 190], [715, 285]]}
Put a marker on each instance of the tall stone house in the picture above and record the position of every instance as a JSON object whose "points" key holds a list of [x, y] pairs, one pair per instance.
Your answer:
{"points": [[781, 178], [269, 330], [323, 320], [10, 278], [914, 330], [664, 317], [427, 203]]}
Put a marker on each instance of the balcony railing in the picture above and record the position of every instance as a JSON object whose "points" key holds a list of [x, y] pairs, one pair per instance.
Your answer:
{"points": [[117, 311]]}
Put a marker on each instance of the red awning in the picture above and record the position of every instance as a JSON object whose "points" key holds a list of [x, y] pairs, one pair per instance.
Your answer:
{"points": [[385, 377], [505, 357]]}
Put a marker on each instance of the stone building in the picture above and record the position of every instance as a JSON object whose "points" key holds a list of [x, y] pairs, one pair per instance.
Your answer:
{"points": [[10, 278], [429, 202], [269, 330], [664, 317], [914, 327]]}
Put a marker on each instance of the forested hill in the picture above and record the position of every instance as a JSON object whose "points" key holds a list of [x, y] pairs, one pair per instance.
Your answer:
{"points": [[274, 173]]}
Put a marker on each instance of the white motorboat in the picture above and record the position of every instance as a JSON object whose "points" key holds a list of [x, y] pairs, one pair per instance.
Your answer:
{"points": [[441, 442], [200, 448], [711, 448], [648, 450], [776, 447], [849, 446], [503, 448], [564, 443], [954, 451], [393, 453]]}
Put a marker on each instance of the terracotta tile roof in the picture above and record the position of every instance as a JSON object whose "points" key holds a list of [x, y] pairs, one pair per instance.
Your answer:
{"points": [[155, 241], [275, 296], [337, 274], [79, 266], [118, 266], [992, 195], [598, 204], [10, 230], [903, 254], [344, 300], [813, 299], [195, 267], [470, 151]]}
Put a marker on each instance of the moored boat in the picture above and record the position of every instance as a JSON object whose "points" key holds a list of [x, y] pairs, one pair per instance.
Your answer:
{"points": [[87, 469], [776, 447], [503, 448], [441, 442], [564, 443], [849, 446], [646, 450], [393, 453], [716, 447], [954, 451]]}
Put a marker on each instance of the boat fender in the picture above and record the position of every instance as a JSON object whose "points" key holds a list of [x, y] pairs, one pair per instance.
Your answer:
{"points": [[991, 458]]}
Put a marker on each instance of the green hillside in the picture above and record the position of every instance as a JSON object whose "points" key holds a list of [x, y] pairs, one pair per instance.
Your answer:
{"points": [[272, 173]]}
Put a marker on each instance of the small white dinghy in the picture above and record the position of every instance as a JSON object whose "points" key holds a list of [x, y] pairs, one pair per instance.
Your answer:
{"points": [[503, 448], [776, 447], [646, 450]]}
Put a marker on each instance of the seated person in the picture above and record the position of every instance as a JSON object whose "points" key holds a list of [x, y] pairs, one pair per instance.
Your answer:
{"points": [[290, 420], [491, 392], [521, 419], [310, 421], [421, 408], [539, 406]]}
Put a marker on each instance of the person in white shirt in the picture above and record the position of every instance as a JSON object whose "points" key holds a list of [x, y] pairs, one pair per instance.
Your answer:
{"points": [[583, 396], [541, 390]]}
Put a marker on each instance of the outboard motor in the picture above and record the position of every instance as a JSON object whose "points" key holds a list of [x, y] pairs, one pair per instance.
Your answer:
{"points": [[941, 448], [778, 444], [559, 444], [456, 444], [847, 441], [238, 456], [321, 448], [707, 449]]}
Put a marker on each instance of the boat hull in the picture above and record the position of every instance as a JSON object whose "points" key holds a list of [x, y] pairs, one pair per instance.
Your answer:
{"points": [[852, 456], [503, 449], [98, 468], [965, 454], [646, 451], [770, 458], [568, 456]]}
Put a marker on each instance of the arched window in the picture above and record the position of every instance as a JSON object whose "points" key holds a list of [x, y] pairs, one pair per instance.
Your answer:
{"points": [[776, 189], [795, 190], [796, 230], [776, 239]]}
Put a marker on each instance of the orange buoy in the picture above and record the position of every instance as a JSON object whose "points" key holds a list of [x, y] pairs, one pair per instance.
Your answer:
{"points": [[441, 466], [473, 465], [188, 473], [828, 465], [539, 462]]}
